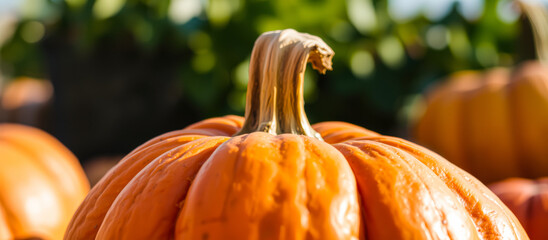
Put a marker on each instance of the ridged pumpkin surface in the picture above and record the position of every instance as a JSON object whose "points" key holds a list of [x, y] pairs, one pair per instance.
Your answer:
{"points": [[528, 199], [492, 124], [273, 176], [41, 184]]}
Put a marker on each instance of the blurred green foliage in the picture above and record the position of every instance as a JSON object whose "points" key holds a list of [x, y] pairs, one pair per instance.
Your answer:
{"points": [[383, 59]]}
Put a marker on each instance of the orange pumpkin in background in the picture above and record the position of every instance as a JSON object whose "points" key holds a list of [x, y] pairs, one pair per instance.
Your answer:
{"points": [[41, 184], [274, 176], [528, 199], [493, 124]]}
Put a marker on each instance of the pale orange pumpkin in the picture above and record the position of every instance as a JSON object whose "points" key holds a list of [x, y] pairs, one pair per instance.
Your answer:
{"points": [[273, 176], [528, 199], [493, 124], [41, 184]]}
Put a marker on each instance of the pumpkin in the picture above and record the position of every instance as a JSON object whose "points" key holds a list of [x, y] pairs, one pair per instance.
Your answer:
{"points": [[528, 200], [274, 176], [41, 184], [492, 124]]}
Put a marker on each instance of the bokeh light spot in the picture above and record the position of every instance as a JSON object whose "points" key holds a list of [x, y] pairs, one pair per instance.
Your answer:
{"points": [[459, 44], [403, 10], [7, 28], [391, 51], [103, 9], [265, 24], [471, 9], [362, 64], [241, 75], [487, 54], [199, 42], [438, 37], [32, 31], [507, 11], [180, 11], [26, 91], [220, 11], [362, 15], [203, 62], [75, 3], [341, 31]]}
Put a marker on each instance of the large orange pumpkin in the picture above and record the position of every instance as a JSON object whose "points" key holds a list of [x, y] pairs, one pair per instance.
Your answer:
{"points": [[273, 176], [528, 199], [493, 124], [41, 184]]}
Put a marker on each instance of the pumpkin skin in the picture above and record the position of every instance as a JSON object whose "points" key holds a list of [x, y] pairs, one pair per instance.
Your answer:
{"points": [[41, 184], [273, 176], [491, 124], [527, 199]]}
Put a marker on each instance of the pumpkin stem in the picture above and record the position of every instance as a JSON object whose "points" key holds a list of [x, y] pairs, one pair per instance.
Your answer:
{"points": [[274, 101], [537, 14]]}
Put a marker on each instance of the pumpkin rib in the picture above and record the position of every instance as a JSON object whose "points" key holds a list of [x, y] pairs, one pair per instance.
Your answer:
{"points": [[441, 126], [168, 178], [421, 180], [182, 222], [363, 155], [438, 209], [110, 186], [528, 91], [468, 188], [489, 107], [223, 214], [336, 132], [440, 115], [312, 146], [163, 137], [165, 144], [306, 202], [257, 186], [227, 125], [218, 126], [450, 117], [82, 225]]}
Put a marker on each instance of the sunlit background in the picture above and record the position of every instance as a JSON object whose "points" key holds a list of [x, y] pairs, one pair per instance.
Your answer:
{"points": [[125, 71]]}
